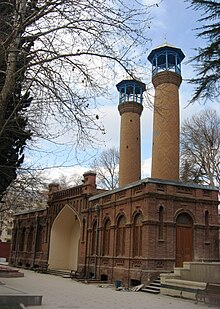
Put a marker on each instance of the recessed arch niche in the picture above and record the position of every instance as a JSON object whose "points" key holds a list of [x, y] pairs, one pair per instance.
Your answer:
{"points": [[64, 240]]}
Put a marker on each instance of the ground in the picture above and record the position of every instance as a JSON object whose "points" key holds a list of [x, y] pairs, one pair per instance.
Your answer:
{"points": [[66, 293]]}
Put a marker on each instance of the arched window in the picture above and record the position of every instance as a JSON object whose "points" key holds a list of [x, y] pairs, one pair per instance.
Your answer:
{"points": [[14, 240], [206, 226], [161, 211], [22, 240], [47, 232], [94, 229], [83, 229], [30, 239], [184, 219], [106, 237], [39, 239], [120, 241], [137, 235]]}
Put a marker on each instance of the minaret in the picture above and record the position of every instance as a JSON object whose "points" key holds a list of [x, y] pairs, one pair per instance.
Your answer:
{"points": [[130, 108], [166, 78]]}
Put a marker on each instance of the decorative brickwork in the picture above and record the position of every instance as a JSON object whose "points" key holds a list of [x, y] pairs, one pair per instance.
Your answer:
{"points": [[130, 144], [151, 211], [165, 151]]}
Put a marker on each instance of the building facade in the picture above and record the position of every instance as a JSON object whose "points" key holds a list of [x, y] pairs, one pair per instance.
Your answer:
{"points": [[143, 228], [130, 234]]}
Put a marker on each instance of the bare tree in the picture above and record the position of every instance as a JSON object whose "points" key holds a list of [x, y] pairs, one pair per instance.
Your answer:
{"points": [[27, 191], [30, 190], [200, 148], [106, 167], [63, 54], [66, 181]]}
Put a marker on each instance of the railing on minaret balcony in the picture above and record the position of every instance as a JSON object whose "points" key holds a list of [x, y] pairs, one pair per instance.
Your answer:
{"points": [[166, 58], [131, 91]]}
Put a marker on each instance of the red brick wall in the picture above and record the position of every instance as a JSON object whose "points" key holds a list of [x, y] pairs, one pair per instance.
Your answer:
{"points": [[5, 250], [158, 254]]}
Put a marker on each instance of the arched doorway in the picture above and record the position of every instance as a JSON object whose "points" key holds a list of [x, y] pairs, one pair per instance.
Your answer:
{"points": [[64, 240], [184, 239]]}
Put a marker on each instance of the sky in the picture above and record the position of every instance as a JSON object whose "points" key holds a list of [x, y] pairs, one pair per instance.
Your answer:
{"points": [[171, 22]]}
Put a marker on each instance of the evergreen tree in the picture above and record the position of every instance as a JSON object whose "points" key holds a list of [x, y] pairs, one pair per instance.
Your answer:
{"points": [[207, 60], [13, 139], [13, 131]]}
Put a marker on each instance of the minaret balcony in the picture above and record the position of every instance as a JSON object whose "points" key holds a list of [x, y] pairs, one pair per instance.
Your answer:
{"points": [[175, 69], [166, 58], [131, 91], [130, 97]]}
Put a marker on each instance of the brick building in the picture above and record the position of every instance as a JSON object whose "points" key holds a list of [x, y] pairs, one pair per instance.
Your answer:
{"points": [[143, 228]]}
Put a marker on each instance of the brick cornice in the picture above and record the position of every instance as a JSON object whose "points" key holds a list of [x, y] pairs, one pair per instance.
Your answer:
{"points": [[166, 77], [130, 107]]}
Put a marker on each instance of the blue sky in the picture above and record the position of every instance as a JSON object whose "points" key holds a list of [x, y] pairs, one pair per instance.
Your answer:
{"points": [[173, 22]]}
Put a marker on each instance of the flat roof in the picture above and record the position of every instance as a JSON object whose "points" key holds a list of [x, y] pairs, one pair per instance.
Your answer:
{"points": [[29, 211], [158, 181]]}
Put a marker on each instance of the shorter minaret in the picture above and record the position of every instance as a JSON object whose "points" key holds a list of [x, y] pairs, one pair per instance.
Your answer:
{"points": [[130, 108], [166, 78]]}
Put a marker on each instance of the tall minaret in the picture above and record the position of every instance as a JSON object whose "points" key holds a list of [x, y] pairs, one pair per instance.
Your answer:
{"points": [[130, 108], [166, 78]]}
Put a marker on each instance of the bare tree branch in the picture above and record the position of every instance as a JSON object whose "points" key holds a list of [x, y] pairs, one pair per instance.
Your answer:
{"points": [[107, 169], [200, 148], [64, 54]]}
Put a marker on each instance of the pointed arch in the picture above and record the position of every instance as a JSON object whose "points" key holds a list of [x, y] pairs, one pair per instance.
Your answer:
{"points": [[64, 240]]}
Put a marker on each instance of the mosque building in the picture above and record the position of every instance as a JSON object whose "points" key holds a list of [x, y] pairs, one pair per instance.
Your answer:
{"points": [[141, 229]]}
